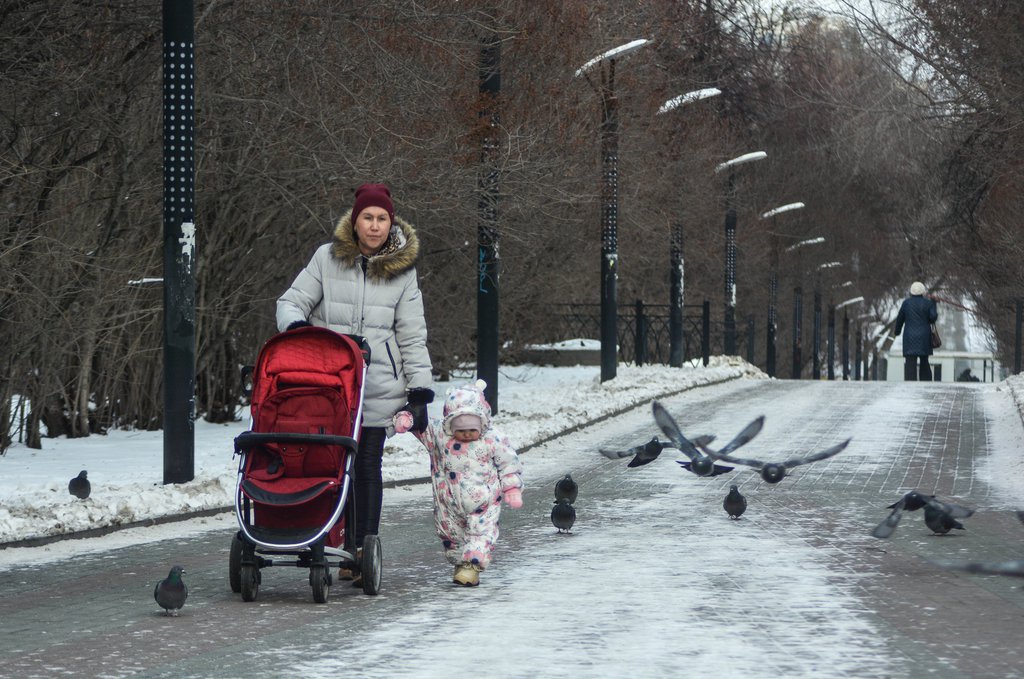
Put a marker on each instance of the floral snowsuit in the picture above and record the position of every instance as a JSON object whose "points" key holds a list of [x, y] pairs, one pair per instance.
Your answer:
{"points": [[469, 478]]}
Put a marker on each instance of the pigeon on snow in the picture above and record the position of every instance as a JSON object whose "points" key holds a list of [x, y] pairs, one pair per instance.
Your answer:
{"points": [[566, 489], [171, 592], [773, 472], [699, 463], [80, 486], [563, 516], [734, 503]]}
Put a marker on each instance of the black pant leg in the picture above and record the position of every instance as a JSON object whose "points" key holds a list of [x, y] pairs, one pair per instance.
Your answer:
{"points": [[925, 370], [368, 485], [910, 368]]}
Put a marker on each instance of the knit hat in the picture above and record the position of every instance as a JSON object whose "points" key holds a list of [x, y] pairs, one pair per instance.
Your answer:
{"points": [[917, 288], [373, 195], [467, 421]]}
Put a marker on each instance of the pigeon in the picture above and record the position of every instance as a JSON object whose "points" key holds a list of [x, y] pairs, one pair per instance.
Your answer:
{"points": [[939, 520], [915, 500], [566, 489], [773, 472], [1014, 569], [699, 463], [563, 516], [80, 486], [171, 592], [649, 452], [734, 503]]}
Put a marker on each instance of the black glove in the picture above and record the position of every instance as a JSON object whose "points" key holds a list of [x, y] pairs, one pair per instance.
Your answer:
{"points": [[298, 324], [417, 405]]}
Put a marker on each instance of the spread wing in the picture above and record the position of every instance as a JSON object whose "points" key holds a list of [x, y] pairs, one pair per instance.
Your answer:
{"points": [[885, 529], [950, 509], [1011, 568], [668, 425], [821, 455]]}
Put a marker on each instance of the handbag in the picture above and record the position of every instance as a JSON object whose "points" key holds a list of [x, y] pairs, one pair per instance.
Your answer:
{"points": [[936, 340]]}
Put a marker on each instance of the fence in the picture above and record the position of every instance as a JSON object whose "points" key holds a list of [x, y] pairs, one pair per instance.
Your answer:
{"points": [[645, 334]]}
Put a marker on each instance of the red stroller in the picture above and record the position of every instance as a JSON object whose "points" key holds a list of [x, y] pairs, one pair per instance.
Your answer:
{"points": [[293, 495]]}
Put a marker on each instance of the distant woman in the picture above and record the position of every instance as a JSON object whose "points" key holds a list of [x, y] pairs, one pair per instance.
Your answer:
{"points": [[364, 283], [917, 313]]}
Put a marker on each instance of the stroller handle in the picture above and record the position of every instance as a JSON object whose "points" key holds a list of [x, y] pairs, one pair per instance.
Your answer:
{"points": [[251, 439]]}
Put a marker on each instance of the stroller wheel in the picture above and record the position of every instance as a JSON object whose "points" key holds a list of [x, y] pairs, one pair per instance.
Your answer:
{"points": [[371, 564], [320, 579], [250, 576], [235, 564]]}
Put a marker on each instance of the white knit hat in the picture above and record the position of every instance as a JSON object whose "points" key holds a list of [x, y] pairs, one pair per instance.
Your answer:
{"points": [[917, 288]]}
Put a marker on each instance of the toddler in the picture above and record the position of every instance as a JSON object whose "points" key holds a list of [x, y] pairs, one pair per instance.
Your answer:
{"points": [[472, 467]]}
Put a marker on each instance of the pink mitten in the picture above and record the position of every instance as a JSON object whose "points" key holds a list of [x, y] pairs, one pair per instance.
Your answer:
{"points": [[514, 498], [403, 421]]}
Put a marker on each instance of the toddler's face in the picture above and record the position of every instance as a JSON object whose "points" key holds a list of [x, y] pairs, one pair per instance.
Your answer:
{"points": [[466, 435]]}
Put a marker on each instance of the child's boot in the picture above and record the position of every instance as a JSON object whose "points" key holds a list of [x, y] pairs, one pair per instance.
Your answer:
{"points": [[467, 575]]}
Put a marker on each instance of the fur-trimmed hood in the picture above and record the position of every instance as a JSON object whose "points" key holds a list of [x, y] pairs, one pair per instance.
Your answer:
{"points": [[400, 250]]}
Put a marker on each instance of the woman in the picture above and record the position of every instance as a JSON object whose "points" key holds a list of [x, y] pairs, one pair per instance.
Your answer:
{"points": [[918, 313], [364, 283]]}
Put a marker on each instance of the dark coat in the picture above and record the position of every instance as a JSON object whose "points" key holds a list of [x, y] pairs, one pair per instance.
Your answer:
{"points": [[917, 313]]}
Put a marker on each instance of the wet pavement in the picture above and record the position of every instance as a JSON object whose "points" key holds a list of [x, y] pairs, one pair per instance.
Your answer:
{"points": [[795, 588]]}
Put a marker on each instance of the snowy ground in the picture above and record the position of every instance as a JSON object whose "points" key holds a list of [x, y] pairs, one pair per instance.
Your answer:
{"points": [[126, 467]]}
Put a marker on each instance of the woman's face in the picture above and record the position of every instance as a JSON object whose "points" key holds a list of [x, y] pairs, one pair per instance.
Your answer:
{"points": [[372, 228]]}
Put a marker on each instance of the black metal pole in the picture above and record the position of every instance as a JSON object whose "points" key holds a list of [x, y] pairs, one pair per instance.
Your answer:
{"points": [[487, 232], [730, 267], [609, 226], [846, 346], [676, 290], [705, 333], [179, 248], [798, 312], [831, 353], [1016, 341], [816, 340], [640, 338], [751, 338], [773, 290], [858, 357]]}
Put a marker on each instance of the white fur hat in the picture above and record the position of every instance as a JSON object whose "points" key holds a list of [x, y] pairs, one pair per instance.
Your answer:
{"points": [[917, 288]]}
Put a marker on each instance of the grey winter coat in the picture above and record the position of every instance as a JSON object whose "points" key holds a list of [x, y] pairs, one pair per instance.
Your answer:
{"points": [[917, 313], [382, 304]]}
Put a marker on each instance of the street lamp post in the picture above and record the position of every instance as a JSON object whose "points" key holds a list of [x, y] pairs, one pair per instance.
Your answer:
{"points": [[816, 366], [677, 280], [798, 310], [773, 283], [609, 198], [730, 245]]}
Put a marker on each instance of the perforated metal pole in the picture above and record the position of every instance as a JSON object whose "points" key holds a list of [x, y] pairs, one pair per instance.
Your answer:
{"points": [[676, 306], [730, 268], [489, 269], [609, 227], [179, 241]]}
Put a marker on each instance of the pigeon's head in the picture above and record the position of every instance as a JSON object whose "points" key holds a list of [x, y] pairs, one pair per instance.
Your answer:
{"points": [[176, 573], [702, 465], [773, 473], [82, 474]]}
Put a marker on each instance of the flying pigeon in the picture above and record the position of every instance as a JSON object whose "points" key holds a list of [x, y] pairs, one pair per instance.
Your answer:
{"points": [[939, 520], [80, 486], [566, 489], [699, 463], [734, 503], [563, 516], [1014, 569], [649, 452], [915, 500], [773, 472], [171, 592]]}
